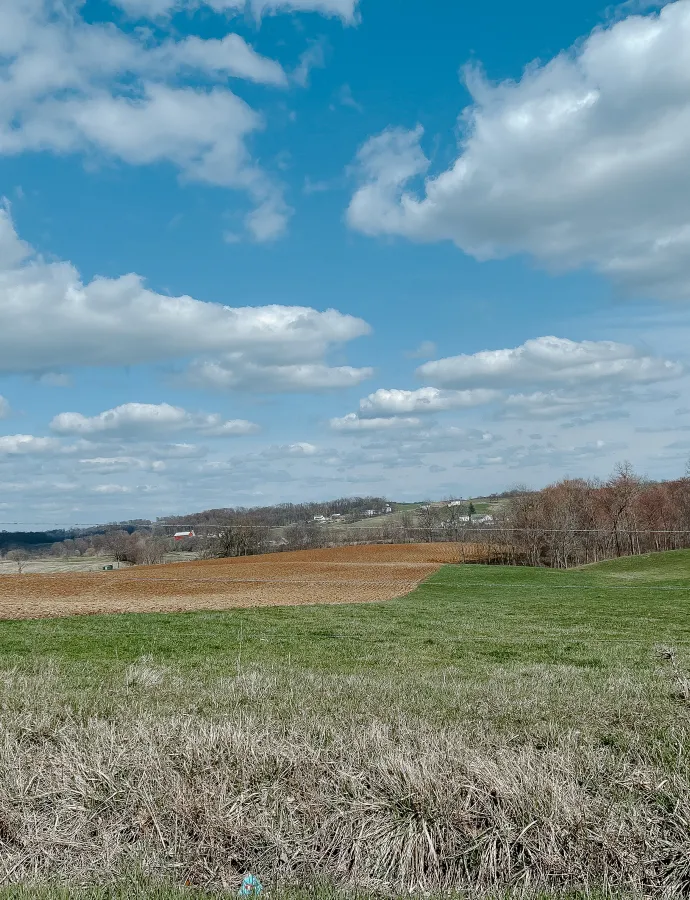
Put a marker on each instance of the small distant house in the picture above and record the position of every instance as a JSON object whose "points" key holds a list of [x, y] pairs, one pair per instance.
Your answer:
{"points": [[319, 518], [388, 510], [181, 535], [456, 503], [369, 513], [337, 516]]}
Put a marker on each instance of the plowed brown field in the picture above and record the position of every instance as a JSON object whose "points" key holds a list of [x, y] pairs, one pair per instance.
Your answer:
{"points": [[340, 575]]}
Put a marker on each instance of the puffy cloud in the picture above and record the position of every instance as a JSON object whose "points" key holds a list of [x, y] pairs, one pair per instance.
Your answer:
{"points": [[581, 162], [28, 444], [4, 408], [590, 374], [352, 422], [424, 400], [58, 322], [69, 86], [591, 381], [148, 418], [551, 360]]}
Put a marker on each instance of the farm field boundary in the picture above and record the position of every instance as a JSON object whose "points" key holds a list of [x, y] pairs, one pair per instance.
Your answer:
{"points": [[350, 574]]}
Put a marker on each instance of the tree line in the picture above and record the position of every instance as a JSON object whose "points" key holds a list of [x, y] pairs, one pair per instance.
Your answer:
{"points": [[569, 523], [579, 521]]}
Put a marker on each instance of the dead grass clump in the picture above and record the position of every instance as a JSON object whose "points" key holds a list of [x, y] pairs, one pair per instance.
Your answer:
{"points": [[380, 807], [679, 677]]}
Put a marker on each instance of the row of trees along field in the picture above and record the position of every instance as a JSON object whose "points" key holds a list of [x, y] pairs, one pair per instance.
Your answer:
{"points": [[578, 521], [572, 522]]}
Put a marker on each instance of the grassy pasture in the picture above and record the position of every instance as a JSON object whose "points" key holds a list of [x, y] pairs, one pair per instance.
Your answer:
{"points": [[497, 730]]}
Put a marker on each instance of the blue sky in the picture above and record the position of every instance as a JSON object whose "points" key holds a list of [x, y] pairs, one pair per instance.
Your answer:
{"points": [[255, 251]]}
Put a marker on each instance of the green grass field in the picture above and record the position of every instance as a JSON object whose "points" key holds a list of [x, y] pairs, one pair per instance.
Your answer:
{"points": [[465, 617], [338, 743]]}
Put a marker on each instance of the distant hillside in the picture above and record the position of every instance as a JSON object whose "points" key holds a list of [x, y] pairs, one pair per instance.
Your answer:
{"points": [[40, 541], [30, 540], [350, 508]]}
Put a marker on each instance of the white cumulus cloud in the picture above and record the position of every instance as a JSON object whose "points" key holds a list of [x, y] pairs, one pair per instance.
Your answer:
{"points": [[72, 86], [149, 418], [60, 322], [424, 400], [549, 360], [580, 162], [28, 444]]}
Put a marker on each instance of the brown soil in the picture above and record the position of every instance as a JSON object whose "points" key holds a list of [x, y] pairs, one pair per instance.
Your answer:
{"points": [[341, 575]]}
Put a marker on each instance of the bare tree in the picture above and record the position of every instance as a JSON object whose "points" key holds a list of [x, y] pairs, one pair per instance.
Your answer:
{"points": [[428, 520], [407, 525], [19, 557], [453, 517], [147, 551], [233, 541], [117, 543], [623, 488]]}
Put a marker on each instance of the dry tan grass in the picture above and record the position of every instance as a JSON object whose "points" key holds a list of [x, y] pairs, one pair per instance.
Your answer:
{"points": [[381, 804], [341, 575]]}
